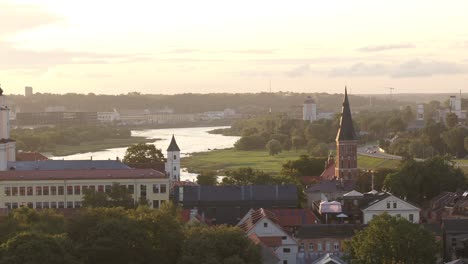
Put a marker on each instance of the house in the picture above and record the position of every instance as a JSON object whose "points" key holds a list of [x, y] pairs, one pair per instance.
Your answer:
{"points": [[394, 206], [315, 241], [227, 204], [264, 225], [455, 234], [329, 259], [268, 254]]}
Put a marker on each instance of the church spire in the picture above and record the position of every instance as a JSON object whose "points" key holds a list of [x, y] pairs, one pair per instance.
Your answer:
{"points": [[173, 145], [346, 130]]}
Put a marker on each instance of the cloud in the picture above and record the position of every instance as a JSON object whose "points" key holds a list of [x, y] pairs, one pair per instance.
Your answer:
{"points": [[14, 59], [417, 68], [252, 51], [361, 69], [299, 71], [377, 48], [182, 51], [408, 69], [16, 18]]}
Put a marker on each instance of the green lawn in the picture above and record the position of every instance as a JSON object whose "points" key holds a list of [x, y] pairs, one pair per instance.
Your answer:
{"points": [[90, 146], [259, 159]]}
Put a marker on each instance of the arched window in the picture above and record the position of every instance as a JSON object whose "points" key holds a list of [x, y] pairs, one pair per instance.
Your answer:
{"points": [[175, 157]]}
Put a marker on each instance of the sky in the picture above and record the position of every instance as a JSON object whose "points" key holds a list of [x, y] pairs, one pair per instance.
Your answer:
{"points": [[171, 47]]}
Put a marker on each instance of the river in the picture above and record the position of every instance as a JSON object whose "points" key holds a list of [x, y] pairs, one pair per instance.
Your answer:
{"points": [[190, 140]]}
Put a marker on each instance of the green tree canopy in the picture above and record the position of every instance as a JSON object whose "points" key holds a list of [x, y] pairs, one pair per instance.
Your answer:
{"points": [[207, 178], [117, 196], [220, 244], [391, 240], [144, 156], [274, 147]]}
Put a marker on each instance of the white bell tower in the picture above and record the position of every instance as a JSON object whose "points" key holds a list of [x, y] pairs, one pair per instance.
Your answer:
{"points": [[173, 161], [7, 145]]}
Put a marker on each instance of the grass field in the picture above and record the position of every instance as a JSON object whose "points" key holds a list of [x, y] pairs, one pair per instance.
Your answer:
{"points": [[231, 159], [90, 146]]}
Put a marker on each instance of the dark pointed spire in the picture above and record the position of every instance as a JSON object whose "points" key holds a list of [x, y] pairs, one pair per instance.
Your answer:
{"points": [[173, 145], [346, 130]]}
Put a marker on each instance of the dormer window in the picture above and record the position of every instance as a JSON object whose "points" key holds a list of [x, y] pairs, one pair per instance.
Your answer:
{"points": [[265, 224]]}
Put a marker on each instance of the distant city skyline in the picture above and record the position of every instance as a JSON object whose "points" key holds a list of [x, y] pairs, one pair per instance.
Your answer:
{"points": [[171, 47]]}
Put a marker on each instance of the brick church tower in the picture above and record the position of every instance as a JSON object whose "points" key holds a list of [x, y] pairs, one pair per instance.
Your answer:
{"points": [[346, 145]]}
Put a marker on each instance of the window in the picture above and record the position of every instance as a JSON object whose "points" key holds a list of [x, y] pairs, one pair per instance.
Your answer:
{"points": [[45, 205], [14, 191], [411, 218], [175, 157], [388, 205], [301, 247], [30, 205], [22, 191], [100, 188], [7, 191], [175, 168], [8, 205], [45, 190], [284, 238], [53, 190], [319, 246], [84, 188], [14, 205], [92, 188], [77, 190], [39, 205], [328, 247], [336, 246], [131, 188], [311, 247], [53, 204], [394, 204], [29, 191], [285, 262], [155, 188], [265, 224], [163, 188], [69, 204], [286, 250], [60, 190], [108, 188], [77, 204], [155, 204], [143, 190], [61, 205], [69, 190], [38, 190]]}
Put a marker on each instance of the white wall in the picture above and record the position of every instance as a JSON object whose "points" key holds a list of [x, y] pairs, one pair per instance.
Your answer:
{"points": [[403, 209]]}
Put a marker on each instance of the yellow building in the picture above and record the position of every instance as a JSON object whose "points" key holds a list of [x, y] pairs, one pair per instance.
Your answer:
{"points": [[64, 188]]}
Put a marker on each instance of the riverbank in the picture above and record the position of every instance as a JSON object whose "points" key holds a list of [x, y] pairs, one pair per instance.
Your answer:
{"points": [[93, 146], [226, 159]]}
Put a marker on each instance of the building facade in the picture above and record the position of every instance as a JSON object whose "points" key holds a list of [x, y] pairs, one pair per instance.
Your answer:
{"points": [[346, 145], [309, 110], [393, 206], [65, 188]]}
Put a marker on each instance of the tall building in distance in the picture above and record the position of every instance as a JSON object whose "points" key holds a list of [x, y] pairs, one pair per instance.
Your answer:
{"points": [[346, 145], [28, 91], [173, 161], [309, 110]]}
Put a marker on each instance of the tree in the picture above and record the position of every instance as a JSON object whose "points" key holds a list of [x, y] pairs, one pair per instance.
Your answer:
{"points": [[219, 244], [117, 196], [451, 119], [390, 240], [207, 178], [421, 181], [304, 166], [364, 180], [31, 248], [274, 147], [144, 156], [455, 140], [396, 124], [321, 150], [250, 142], [297, 142], [465, 143]]}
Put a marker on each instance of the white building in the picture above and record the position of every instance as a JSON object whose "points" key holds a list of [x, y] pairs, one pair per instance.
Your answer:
{"points": [[7, 145], [420, 112], [264, 225], [108, 117], [65, 188], [394, 206], [173, 161], [309, 110]]}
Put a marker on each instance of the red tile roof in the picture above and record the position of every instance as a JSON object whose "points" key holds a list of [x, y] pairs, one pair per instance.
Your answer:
{"points": [[34, 175], [294, 217], [30, 156], [273, 241], [329, 172]]}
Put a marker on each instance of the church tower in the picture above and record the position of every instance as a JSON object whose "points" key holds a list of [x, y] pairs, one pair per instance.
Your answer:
{"points": [[173, 161], [7, 145], [346, 145]]}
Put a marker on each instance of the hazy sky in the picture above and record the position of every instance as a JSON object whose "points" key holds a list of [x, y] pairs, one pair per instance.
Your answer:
{"points": [[201, 46]]}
